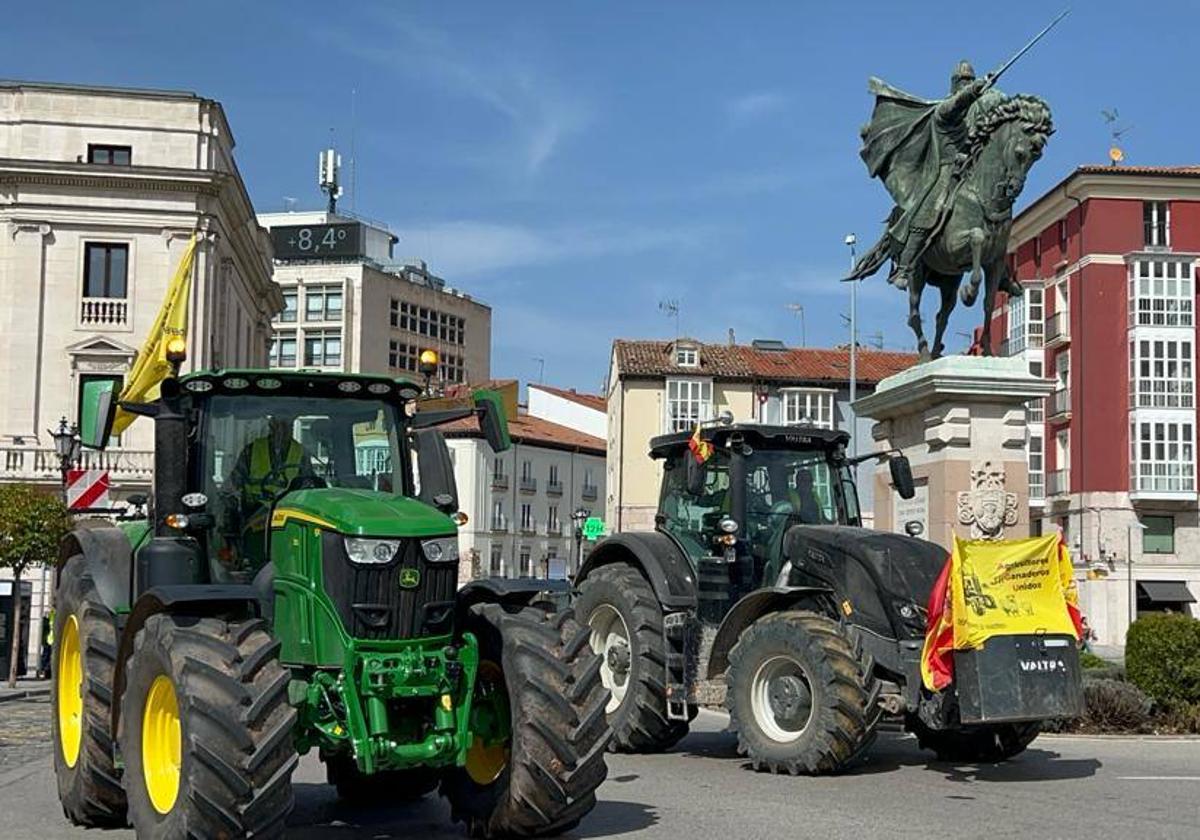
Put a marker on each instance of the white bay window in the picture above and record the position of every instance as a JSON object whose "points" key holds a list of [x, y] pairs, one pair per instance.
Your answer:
{"points": [[689, 403], [808, 407]]}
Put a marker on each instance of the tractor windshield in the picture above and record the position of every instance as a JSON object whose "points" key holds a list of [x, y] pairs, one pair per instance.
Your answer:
{"points": [[254, 447], [689, 517]]}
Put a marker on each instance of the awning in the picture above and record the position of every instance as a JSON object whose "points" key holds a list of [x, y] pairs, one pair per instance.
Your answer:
{"points": [[1166, 591]]}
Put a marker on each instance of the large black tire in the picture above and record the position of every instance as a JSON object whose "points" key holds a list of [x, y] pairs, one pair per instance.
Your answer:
{"points": [[634, 673], [89, 787], [385, 787], [982, 744], [798, 697], [555, 756], [235, 728]]}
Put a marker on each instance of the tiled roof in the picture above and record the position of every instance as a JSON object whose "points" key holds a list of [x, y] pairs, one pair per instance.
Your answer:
{"points": [[593, 401], [527, 429], [722, 361]]}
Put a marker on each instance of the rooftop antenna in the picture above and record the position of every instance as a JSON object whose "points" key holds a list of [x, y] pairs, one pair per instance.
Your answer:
{"points": [[875, 339], [289, 204], [329, 164], [1111, 118], [798, 309], [670, 308], [353, 156], [541, 367]]}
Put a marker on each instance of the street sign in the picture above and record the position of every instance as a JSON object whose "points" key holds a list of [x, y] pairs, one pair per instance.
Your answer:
{"points": [[593, 528], [87, 489]]}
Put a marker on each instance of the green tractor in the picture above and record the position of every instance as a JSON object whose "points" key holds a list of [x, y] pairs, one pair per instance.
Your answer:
{"points": [[295, 588], [759, 589]]}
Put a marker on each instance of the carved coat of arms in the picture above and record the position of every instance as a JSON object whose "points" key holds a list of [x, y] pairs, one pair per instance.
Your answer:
{"points": [[987, 507]]}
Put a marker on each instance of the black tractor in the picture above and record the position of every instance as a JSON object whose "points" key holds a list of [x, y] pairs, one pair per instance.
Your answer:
{"points": [[760, 589]]}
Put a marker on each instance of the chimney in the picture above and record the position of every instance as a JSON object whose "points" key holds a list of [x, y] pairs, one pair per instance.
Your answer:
{"points": [[732, 340]]}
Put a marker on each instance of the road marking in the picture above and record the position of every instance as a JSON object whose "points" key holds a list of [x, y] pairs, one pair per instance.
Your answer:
{"points": [[1159, 778]]}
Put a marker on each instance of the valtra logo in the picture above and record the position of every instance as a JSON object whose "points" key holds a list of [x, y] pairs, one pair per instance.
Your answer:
{"points": [[1044, 665]]}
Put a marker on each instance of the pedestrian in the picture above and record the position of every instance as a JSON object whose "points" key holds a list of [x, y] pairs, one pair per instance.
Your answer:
{"points": [[47, 647]]}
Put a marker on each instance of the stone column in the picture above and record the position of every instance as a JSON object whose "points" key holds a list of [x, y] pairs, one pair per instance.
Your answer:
{"points": [[961, 422]]}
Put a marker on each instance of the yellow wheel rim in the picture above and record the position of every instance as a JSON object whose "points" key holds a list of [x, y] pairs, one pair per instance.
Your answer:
{"points": [[69, 673], [161, 751], [485, 762]]}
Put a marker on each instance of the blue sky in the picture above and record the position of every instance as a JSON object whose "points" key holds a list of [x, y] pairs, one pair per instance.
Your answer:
{"points": [[575, 163]]}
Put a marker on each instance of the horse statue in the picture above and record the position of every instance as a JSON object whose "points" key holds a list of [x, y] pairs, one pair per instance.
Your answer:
{"points": [[954, 167]]}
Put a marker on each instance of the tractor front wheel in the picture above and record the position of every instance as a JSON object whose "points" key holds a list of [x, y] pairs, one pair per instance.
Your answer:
{"points": [[538, 726], [798, 697], [625, 622], [206, 730], [85, 655]]}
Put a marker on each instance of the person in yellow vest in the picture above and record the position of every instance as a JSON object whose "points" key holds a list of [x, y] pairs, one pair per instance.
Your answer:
{"points": [[267, 465]]}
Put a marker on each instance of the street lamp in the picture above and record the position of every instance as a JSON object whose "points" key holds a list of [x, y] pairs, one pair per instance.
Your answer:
{"points": [[66, 447], [851, 240], [578, 518], [428, 365], [1129, 561]]}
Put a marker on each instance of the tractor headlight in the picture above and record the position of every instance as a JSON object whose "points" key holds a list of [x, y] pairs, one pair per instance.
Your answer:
{"points": [[371, 552], [444, 550]]}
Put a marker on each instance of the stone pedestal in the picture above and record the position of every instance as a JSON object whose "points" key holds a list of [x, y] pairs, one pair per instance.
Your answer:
{"points": [[961, 422]]}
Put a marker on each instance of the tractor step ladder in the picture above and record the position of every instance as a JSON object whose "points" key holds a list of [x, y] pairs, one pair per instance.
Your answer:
{"points": [[679, 629]]}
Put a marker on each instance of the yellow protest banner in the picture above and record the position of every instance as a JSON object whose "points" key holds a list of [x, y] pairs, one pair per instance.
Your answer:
{"points": [[1012, 587]]}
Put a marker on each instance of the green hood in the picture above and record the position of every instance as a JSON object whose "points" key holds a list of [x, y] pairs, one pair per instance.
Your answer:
{"points": [[363, 513]]}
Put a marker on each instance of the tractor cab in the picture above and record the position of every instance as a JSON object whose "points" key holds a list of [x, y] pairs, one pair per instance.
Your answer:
{"points": [[731, 511]]}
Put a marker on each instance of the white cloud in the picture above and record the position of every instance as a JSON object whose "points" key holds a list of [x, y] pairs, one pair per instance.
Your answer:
{"points": [[461, 248], [754, 105], [540, 116]]}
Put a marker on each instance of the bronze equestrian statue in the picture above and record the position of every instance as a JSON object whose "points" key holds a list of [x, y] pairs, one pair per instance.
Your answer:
{"points": [[954, 167]]}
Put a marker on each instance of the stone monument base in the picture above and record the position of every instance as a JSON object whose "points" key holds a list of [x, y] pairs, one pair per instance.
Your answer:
{"points": [[961, 420]]}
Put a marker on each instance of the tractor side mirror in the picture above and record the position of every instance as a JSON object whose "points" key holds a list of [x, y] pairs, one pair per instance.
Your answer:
{"points": [[697, 477], [435, 470], [902, 478], [491, 420], [97, 409]]}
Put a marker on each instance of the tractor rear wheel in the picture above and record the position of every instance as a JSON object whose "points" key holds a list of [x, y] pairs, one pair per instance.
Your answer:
{"points": [[982, 744], [625, 622], [538, 725], [387, 786], [206, 730], [798, 697], [85, 651]]}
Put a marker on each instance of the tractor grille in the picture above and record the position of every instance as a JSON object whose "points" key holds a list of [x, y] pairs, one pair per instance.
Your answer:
{"points": [[373, 605]]}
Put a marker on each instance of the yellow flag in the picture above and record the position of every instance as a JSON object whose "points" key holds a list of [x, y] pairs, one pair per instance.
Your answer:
{"points": [[151, 366]]}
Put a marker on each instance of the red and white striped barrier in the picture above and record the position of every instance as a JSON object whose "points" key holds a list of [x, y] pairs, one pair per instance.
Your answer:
{"points": [[87, 489]]}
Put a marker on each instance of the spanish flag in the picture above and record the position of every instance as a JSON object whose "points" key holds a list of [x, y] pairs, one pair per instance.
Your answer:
{"points": [[151, 366], [701, 449]]}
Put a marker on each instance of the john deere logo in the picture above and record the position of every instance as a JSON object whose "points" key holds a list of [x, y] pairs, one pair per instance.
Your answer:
{"points": [[409, 578]]}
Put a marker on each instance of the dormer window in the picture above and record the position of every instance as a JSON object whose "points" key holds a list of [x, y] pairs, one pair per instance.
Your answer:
{"points": [[686, 356]]}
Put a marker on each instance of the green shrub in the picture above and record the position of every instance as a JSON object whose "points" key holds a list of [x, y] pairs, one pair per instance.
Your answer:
{"points": [[1090, 660], [1109, 704], [1162, 657], [1183, 717]]}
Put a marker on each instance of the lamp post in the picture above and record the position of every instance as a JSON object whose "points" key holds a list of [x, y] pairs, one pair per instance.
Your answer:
{"points": [[851, 240], [66, 447], [1129, 562], [577, 518], [428, 365]]}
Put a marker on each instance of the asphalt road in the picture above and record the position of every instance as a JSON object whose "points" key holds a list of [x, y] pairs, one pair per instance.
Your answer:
{"points": [[1060, 788]]}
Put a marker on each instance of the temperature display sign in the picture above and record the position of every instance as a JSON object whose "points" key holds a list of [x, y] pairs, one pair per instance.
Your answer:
{"points": [[312, 242]]}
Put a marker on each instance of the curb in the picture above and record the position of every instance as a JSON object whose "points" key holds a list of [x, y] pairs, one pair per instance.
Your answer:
{"points": [[1100, 736], [24, 694]]}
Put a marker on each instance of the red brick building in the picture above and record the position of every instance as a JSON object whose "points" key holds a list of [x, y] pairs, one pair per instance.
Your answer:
{"points": [[1108, 260]]}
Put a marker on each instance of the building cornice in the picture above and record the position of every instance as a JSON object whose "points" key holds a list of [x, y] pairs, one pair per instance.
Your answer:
{"points": [[97, 176], [1056, 202]]}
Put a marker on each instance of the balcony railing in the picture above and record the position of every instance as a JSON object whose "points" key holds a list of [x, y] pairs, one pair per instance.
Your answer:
{"points": [[589, 492], [554, 488], [499, 481], [529, 527], [1058, 405], [500, 523], [1058, 329], [1058, 483], [528, 484], [27, 463], [103, 312]]}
